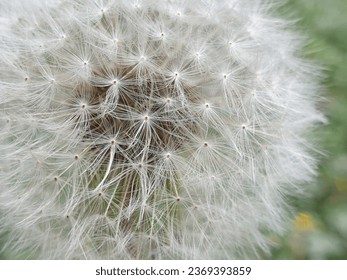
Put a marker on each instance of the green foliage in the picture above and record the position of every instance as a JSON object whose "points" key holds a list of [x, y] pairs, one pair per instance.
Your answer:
{"points": [[326, 238]]}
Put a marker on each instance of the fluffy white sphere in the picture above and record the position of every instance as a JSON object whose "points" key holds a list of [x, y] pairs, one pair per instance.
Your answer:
{"points": [[150, 129]]}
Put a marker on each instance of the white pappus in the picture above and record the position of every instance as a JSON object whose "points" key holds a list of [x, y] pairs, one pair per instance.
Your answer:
{"points": [[151, 129]]}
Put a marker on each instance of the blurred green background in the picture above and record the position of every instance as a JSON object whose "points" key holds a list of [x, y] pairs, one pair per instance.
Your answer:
{"points": [[320, 229]]}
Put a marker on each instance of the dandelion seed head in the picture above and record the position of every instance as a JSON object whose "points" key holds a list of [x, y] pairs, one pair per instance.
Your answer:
{"points": [[146, 130]]}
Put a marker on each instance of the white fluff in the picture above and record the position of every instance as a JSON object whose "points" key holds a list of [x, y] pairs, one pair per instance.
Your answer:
{"points": [[150, 129]]}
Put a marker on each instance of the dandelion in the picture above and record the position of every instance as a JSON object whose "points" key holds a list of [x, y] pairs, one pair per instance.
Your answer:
{"points": [[304, 222], [150, 130]]}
